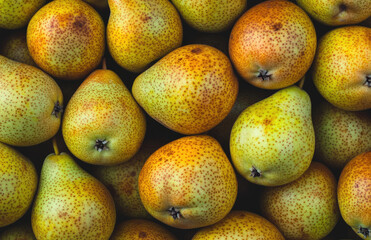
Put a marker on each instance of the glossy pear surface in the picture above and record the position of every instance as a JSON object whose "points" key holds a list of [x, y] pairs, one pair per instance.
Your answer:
{"points": [[272, 141], [140, 32], [273, 44], [31, 103], [188, 183], [102, 123], [70, 203], [66, 39], [190, 90], [342, 68], [18, 183]]}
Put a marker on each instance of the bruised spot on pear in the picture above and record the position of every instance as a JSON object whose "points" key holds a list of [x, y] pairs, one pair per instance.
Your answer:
{"points": [[277, 26], [196, 50], [142, 234]]}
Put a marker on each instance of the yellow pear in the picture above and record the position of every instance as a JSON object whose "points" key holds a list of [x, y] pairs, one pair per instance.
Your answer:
{"points": [[190, 90], [66, 39], [188, 183], [342, 68], [30, 102], [21, 230], [102, 123], [140, 32], [18, 183]]}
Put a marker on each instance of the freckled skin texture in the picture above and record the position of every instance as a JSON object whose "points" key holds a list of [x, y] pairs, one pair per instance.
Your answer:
{"points": [[210, 15], [275, 36], [70, 203], [18, 183], [14, 47], [18, 231], [102, 108], [66, 39], [354, 193], [27, 100], [305, 209], [276, 137], [340, 135], [240, 225], [341, 67], [140, 229], [140, 32], [193, 175], [337, 12], [190, 90], [17, 14]]}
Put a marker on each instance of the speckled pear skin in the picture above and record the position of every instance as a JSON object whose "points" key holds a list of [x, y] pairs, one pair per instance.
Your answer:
{"points": [[342, 68], [17, 14], [140, 32], [190, 90], [70, 203], [275, 136], [305, 209], [354, 193], [21, 230], [337, 12], [102, 108], [240, 225], [191, 175], [66, 39], [28, 97], [140, 229], [340, 135], [18, 183], [210, 15], [14, 47], [275, 36]]}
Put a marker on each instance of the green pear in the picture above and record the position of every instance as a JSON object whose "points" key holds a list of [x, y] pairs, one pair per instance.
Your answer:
{"points": [[18, 183], [17, 14], [21, 230], [272, 141], [140, 32], [70, 203], [340, 135], [103, 124], [30, 102], [306, 208]]}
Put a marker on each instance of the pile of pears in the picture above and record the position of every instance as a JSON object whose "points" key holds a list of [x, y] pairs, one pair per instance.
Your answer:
{"points": [[174, 119]]}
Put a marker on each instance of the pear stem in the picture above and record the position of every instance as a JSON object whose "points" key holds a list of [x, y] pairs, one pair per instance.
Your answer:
{"points": [[55, 146], [301, 83], [104, 64]]}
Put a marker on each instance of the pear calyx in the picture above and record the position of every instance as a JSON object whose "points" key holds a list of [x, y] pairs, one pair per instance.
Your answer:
{"points": [[263, 74], [364, 231], [58, 108], [255, 172], [101, 145], [175, 213], [368, 81]]}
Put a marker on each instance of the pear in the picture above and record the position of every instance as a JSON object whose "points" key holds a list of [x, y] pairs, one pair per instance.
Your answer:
{"points": [[272, 141], [140, 229], [18, 231], [140, 32], [14, 47], [18, 183], [354, 194], [190, 90], [273, 44], [17, 14], [240, 225], [66, 39], [210, 15], [30, 102], [305, 209], [340, 135], [188, 183], [70, 203], [103, 124], [342, 68], [337, 12]]}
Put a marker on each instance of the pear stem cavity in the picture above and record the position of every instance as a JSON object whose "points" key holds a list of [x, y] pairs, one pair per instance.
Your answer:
{"points": [[368, 81], [364, 231], [301, 83], [58, 108], [55, 146], [255, 172], [263, 74], [101, 145], [175, 213]]}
